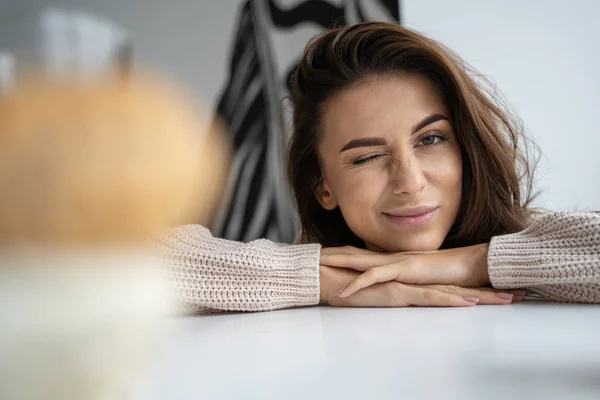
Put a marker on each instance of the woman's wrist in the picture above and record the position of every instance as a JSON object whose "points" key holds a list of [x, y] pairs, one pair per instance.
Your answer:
{"points": [[480, 266]]}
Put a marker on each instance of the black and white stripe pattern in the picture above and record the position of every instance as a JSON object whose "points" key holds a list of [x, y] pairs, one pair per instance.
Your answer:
{"points": [[269, 40]]}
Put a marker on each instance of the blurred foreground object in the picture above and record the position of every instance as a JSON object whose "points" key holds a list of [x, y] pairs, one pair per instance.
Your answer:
{"points": [[7, 64], [103, 162], [90, 174]]}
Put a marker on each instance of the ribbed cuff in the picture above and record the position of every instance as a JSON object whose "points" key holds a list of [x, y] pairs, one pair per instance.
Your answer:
{"points": [[512, 262], [294, 277], [558, 248]]}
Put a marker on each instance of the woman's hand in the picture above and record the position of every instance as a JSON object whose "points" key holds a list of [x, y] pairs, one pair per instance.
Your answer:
{"points": [[466, 267], [396, 294]]}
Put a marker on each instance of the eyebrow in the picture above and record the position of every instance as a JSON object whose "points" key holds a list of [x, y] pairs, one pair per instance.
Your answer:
{"points": [[364, 142], [427, 121]]}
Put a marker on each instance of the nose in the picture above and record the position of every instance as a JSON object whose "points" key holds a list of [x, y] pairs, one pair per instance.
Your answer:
{"points": [[407, 176]]}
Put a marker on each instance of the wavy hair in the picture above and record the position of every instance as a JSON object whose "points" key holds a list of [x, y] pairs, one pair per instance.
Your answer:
{"points": [[497, 174]]}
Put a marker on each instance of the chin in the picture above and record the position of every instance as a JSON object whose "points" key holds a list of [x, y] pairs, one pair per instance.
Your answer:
{"points": [[414, 244]]}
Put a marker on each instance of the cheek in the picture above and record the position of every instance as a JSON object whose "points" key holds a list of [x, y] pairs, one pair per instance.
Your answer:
{"points": [[358, 188], [444, 172], [357, 192]]}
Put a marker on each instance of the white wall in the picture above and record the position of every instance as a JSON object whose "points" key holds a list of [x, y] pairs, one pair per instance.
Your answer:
{"points": [[544, 57]]}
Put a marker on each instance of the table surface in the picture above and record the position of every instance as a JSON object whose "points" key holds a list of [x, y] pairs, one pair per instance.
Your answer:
{"points": [[531, 350]]}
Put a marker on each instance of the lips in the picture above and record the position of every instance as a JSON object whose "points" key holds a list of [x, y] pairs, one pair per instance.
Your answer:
{"points": [[411, 217]]}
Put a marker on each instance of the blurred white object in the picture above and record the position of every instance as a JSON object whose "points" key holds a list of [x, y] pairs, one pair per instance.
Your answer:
{"points": [[76, 44], [7, 68], [78, 327]]}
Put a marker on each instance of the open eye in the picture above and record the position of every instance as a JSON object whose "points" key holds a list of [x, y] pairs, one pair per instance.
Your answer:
{"points": [[429, 140], [432, 139]]}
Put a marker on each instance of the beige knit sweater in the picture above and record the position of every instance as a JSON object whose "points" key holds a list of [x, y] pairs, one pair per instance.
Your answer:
{"points": [[557, 257]]}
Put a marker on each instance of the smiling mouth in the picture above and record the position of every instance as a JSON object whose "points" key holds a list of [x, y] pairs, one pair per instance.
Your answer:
{"points": [[413, 220]]}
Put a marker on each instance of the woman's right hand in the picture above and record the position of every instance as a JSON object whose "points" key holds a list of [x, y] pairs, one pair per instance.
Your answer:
{"points": [[396, 294]]}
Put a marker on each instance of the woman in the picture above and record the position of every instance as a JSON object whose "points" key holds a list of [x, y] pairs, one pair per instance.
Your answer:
{"points": [[400, 156]]}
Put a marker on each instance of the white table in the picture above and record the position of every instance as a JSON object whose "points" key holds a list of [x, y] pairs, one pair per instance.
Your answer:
{"points": [[532, 350]]}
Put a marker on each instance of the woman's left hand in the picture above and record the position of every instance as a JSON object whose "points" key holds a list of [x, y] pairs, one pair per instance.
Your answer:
{"points": [[466, 266]]}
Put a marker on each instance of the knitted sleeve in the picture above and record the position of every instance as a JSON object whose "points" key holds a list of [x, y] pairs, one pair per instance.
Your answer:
{"points": [[557, 257], [212, 274]]}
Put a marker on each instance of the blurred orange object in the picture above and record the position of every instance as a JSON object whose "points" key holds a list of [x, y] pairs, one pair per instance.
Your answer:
{"points": [[103, 161]]}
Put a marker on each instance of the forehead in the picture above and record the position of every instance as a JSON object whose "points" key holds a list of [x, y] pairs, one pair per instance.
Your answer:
{"points": [[380, 106]]}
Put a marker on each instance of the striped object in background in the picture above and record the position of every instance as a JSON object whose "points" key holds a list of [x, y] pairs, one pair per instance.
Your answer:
{"points": [[269, 41]]}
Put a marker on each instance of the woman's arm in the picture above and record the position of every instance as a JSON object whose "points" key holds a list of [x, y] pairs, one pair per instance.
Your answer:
{"points": [[212, 274], [558, 257]]}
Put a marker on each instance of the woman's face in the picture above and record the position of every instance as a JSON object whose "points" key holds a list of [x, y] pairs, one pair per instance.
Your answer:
{"points": [[391, 163]]}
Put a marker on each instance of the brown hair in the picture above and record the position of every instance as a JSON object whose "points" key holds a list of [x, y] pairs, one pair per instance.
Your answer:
{"points": [[497, 176]]}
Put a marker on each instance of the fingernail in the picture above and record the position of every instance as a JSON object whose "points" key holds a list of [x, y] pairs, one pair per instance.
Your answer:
{"points": [[340, 290], [471, 299], [504, 296]]}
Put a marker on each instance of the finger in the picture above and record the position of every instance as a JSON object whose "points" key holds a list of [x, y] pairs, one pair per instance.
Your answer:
{"points": [[345, 250], [416, 269], [378, 295], [394, 294], [368, 278], [427, 297], [486, 296], [409, 270], [421, 270], [359, 261]]}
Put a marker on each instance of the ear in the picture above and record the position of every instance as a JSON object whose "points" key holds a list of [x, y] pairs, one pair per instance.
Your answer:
{"points": [[325, 196]]}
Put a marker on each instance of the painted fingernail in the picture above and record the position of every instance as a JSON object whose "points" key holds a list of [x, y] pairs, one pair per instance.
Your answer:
{"points": [[340, 290], [504, 296], [471, 299]]}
